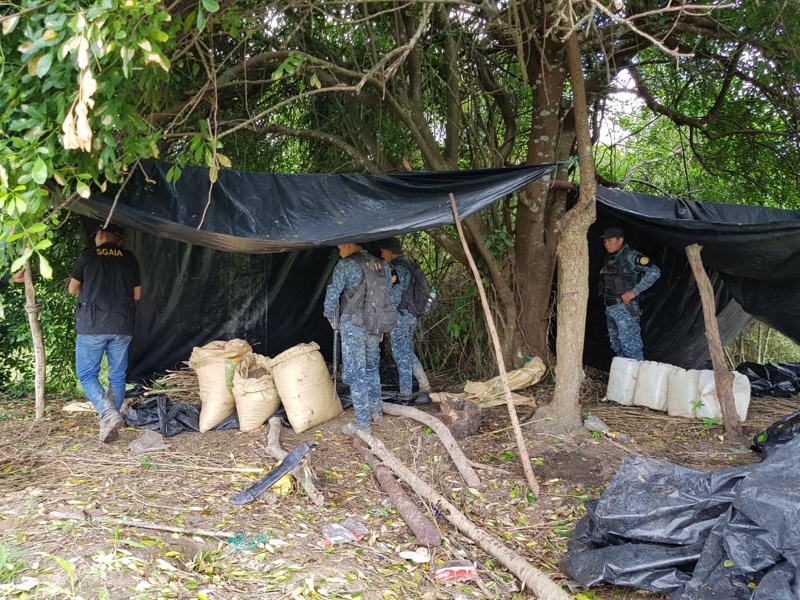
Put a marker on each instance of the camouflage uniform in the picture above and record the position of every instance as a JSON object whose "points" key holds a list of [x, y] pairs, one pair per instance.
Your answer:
{"points": [[633, 272], [402, 336], [360, 350]]}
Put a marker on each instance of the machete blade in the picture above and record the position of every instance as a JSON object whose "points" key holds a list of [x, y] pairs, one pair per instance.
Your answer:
{"points": [[289, 462]]}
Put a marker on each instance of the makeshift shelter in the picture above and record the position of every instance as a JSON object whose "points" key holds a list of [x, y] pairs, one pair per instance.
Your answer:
{"points": [[249, 257]]}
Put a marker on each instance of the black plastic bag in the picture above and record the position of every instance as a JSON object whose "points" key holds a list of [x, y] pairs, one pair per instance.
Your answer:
{"points": [[159, 413], [731, 534]]}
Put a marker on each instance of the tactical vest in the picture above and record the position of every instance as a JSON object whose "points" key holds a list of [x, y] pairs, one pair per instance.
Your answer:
{"points": [[617, 275], [369, 300]]}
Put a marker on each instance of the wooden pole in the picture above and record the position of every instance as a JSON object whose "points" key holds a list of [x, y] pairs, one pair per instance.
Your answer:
{"points": [[34, 311], [723, 378], [501, 364]]}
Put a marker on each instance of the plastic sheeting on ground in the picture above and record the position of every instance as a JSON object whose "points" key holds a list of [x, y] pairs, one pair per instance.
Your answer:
{"points": [[732, 534], [776, 435], [159, 413], [776, 380]]}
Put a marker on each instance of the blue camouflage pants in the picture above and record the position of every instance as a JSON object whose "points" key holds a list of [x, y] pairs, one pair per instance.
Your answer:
{"points": [[360, 358], [624, 332], [402, 338]]}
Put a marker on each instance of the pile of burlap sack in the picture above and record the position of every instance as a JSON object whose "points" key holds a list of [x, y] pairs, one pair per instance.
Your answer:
{"points": [[234, 378]]}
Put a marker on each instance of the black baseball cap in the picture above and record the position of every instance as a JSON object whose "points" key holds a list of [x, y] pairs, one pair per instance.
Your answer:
{"points": [[113, 228], [613, 232], [392, 244]]}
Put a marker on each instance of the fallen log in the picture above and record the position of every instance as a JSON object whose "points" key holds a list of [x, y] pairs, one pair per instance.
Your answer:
{"points": [[304, 475], [447, 439], [540, 584], [424, 529]]}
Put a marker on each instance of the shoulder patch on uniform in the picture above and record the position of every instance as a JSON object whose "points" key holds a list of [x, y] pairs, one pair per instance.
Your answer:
{"points": [[644, 261]]}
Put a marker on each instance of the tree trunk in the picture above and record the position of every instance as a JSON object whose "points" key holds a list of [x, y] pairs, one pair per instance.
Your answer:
{"points": [[536, 232], [40, 364], [573, 268], [723, 378]]}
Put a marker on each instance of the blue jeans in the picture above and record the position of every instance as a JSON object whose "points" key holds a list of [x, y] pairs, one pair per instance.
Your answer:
{"points": [[89, 351]]}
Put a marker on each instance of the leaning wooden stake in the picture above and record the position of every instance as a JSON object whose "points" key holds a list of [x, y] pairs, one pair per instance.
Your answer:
{"points": [[451, 445], [723, 378], [539, 583], [424, 529], [501, 365], [301, 473]]}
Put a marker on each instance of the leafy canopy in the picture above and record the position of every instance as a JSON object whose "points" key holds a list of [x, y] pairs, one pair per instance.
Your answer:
{"points": [[75, 78]]}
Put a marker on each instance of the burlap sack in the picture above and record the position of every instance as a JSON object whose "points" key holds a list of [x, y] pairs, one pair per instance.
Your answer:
{"points": [[305, 386], [490, 393], [254, 392], [215, 364]]}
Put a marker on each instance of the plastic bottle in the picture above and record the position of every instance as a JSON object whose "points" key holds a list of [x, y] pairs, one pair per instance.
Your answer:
{"points": [[429, 302], [620, 437]]}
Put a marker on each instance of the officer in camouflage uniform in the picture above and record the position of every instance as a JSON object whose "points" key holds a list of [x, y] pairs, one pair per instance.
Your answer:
{"points": [[360, 350], [402, 337], [625, 275]]}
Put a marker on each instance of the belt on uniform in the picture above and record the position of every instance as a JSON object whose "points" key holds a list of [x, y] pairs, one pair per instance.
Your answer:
{"points": [[612, 301]]}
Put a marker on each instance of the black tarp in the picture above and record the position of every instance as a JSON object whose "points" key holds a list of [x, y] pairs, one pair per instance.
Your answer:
{"points": [[257, 267], [264, 212], [252, 260]]}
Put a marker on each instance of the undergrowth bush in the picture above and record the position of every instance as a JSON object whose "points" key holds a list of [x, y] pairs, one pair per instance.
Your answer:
{"points": [[761, 344], [57, 319], [452, 343]]}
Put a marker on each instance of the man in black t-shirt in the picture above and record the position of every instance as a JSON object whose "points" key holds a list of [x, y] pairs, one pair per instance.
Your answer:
{"points": [[107, 280]]}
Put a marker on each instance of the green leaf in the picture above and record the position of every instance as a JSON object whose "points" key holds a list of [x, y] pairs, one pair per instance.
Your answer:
{"points": [[201, 20], [173, 174], [39, 171], [20, 262], [43, 66], [44, 267], [211, 5]]}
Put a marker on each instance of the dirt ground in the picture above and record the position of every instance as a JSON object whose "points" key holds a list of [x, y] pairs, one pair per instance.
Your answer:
{"points": [[67, 504]]}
